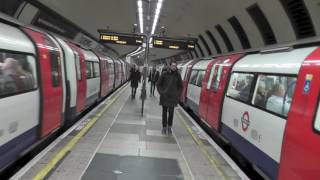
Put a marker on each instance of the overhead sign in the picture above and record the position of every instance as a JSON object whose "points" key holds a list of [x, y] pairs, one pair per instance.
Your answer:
{"points": [[112, 38], [170, 43]]}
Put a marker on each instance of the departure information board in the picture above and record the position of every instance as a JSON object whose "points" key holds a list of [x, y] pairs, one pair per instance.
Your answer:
{"points": [[134, 40], [170, 43]]}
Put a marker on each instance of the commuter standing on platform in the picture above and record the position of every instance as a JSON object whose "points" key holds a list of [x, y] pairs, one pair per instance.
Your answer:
{"points": [[153, 78], [135, 77], [169, 87]]}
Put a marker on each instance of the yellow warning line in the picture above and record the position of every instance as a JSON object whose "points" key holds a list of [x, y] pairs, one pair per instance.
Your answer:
{"points": [[63, 152], [213, 161]]}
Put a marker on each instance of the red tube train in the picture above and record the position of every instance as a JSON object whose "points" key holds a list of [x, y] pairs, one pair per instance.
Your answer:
{"points": [[264, 104], [45, 83]]}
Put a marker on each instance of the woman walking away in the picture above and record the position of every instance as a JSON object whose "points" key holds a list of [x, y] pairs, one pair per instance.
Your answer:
{"points": [[135, 79], [169, 87]]}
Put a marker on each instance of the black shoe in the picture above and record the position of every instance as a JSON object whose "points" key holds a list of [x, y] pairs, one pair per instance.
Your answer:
{"points": [[164, 130], [169, 131]]}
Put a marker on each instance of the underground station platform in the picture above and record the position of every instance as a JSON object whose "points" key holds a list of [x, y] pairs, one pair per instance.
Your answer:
{"points": [[115, 142]]}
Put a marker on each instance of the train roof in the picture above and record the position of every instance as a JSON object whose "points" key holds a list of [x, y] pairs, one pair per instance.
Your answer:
{"points": [[202, 65], [286, 61], [11, 38], [90, 56]]}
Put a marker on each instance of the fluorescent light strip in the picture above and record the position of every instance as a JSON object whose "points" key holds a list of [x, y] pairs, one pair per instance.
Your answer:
{"points": [[156, 16], [140, 12]]}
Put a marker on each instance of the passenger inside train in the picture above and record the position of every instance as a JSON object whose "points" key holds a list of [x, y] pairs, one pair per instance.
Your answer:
{"points": [[16, 76]]}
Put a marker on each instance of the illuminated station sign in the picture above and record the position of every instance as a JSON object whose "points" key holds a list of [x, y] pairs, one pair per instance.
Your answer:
{"points": [[168, 43], [134, 40]]}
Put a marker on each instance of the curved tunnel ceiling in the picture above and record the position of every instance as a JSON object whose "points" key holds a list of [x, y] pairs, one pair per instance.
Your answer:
{"points": [[221, 26]]}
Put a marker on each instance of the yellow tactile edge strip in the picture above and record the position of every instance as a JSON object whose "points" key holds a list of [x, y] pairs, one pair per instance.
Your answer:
{"points": [[213, 161]]}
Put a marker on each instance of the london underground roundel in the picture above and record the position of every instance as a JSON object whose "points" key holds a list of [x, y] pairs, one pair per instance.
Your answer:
{"points": [[245, 121]]}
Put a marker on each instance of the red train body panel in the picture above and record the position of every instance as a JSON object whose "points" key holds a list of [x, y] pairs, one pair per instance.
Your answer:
{"points": [[51, 83], [300, 150]]}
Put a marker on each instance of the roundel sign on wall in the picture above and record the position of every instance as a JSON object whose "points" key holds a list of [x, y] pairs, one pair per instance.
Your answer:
{"points": [[245, 121]]}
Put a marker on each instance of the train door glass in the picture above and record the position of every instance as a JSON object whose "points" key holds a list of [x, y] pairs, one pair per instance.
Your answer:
{"points": [[200, 78], [217, 77], [193, 77], [55, 62], [77, 64], [211, 76], [89, 71], [111, 70], [96, 69], [317, 121]]}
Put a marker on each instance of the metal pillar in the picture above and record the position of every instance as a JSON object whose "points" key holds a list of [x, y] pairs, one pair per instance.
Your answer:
{"points": [[145, 71]]}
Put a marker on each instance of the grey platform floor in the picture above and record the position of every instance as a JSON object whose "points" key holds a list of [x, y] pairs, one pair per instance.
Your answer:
{"points": [[123, 145]]}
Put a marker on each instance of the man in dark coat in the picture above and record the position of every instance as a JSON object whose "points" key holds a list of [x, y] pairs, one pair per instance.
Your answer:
{"points": [[153, 78], [135, 77], [169, 87]]}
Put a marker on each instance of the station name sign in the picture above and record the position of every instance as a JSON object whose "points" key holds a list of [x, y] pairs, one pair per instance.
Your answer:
{"points": [[169, 43], [111, 38]]}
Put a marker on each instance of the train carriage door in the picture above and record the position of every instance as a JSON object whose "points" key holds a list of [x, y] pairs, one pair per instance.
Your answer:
{"points": [[301, 145], [204, 96], [103, 78], [212, 93], [81, 77], [217, 88], [51, 82]]}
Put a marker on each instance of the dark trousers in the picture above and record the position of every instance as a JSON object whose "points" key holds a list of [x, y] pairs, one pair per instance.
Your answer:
{"points": [[152, 88], [133, 91], [165, 119]]}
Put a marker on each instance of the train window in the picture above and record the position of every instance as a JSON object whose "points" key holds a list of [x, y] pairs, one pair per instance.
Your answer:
{"points": [[200, 78], [89, 70], [96, 69], [240, 86], [193, 77], [217, 77], [274, 93], [17, 73], [77, 63], [211, 76]]}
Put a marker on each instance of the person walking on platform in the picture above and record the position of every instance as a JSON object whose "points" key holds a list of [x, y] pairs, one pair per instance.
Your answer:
{"points": [[169, 87], [135, 78], [153, 78]]}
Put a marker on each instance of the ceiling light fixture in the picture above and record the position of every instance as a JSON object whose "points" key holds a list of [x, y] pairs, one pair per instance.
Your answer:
{"points": [[156, 16], [140, 12]]}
